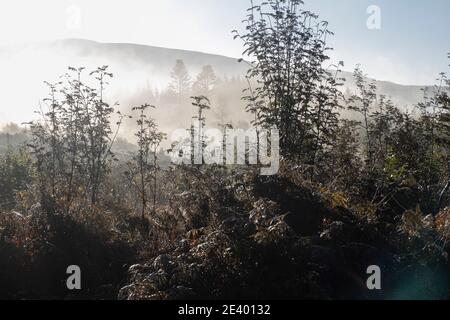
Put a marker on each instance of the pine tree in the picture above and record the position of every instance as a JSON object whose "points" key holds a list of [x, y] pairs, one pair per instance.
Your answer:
{"points": [[181, 81], [205, 81]]}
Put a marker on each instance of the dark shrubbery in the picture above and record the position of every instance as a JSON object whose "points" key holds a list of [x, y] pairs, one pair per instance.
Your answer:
{"points": [[35, 251], [269, 251]]}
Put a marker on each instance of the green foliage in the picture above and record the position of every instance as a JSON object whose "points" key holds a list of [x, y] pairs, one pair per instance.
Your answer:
{"points": [[394, 170], [15, 176]]}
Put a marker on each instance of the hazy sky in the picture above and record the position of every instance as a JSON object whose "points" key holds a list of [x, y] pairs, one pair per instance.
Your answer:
{"points": [[410, 47]]}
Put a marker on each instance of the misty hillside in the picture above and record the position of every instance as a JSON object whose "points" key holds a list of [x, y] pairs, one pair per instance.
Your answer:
{"points": [[155, 60], [404, 96], [160, 61]]}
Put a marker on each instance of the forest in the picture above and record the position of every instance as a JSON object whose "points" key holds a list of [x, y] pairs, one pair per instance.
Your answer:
{"points": [[351, 192]]}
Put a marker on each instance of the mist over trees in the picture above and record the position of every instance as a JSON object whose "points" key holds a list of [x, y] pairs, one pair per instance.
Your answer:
{"points": [[350, 193]]}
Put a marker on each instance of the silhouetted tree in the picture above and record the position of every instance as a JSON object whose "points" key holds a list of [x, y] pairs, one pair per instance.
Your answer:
{"points": [[144, 168], [71, 142], [288, 46]]}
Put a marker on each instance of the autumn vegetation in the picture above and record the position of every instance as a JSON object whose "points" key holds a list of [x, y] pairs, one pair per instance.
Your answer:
{"points": [[350, 193]]}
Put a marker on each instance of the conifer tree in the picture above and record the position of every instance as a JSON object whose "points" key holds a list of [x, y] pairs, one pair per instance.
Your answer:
{"points": [[205, 81], [180, 81]]}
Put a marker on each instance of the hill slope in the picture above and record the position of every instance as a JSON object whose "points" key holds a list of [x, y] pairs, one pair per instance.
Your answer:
{"points": [[135, 67]]}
